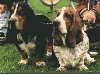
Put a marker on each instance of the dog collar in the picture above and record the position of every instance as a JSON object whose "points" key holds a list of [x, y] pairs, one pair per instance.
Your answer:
{"points": [[45, 23]]}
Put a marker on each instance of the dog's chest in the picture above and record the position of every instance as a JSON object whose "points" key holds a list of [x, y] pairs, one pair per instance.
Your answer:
{"points": [[70, 56]]}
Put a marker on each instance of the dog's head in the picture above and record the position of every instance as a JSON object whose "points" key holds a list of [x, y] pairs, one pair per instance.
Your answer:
{"points": [[19, 11], [67, 23], [20, 8]]}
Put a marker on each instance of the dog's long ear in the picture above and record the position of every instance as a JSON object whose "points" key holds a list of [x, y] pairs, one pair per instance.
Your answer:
{"points": [[76, 22], [74, 35], [71, 39], [76, 18], [79, 36], [57, 40]]}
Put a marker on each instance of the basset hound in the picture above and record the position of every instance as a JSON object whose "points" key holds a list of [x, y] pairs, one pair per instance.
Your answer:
{"points": [[71, 43]]}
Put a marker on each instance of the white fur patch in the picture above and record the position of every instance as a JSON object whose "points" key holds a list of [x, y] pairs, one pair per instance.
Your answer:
{"points": [[13, 16], [40, 63], [16, 8], [23, 61], [62, 25]]}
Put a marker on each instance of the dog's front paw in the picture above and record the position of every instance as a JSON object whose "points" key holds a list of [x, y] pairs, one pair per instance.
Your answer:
{"points": [[23, 61], [91, 60], [40, 63], [48, 53], [83, 68], [49, 50], [60, 69]]}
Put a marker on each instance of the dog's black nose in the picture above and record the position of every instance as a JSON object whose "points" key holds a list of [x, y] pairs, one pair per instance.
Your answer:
{"points": [[56, 23], [56, 27]]}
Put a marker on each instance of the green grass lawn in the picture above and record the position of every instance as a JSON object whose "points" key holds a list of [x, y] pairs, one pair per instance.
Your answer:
{"points": [[9, 56]]}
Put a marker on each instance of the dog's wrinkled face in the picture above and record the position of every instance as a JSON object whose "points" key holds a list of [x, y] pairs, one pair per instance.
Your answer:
{"points": [[18, 9], [67, 25], [63, 21]]}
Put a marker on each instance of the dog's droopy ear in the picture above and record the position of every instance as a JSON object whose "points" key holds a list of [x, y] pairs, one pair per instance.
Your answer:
{"points": [[73, 38], [79, 36]]}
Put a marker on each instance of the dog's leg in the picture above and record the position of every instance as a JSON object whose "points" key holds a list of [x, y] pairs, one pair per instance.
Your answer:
{"points": [[23, 51], [61, 62], [40, 62], [22, 48], [50, 40], [49, 50], [89, 60], [24, 55], [61, 68], [23, 61], [81, 63], [40, 49]]}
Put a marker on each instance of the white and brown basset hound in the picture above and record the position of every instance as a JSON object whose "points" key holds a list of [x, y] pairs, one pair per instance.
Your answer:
{"points": [[71, 43]]}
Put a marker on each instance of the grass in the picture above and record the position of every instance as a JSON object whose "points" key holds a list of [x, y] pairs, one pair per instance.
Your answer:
{"points": [[38, 7], [9, 56]]}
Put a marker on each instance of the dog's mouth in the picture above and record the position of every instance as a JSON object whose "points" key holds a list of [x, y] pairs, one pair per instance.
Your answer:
{"points": [[57, 31], [60, 32]]}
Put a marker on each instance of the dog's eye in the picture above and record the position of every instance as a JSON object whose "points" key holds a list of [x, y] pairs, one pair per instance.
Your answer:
{"points": [[67, 16]]}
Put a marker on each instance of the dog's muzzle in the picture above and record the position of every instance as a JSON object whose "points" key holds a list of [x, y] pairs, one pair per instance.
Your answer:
{"points": [[59, 27], [56, 27]]}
